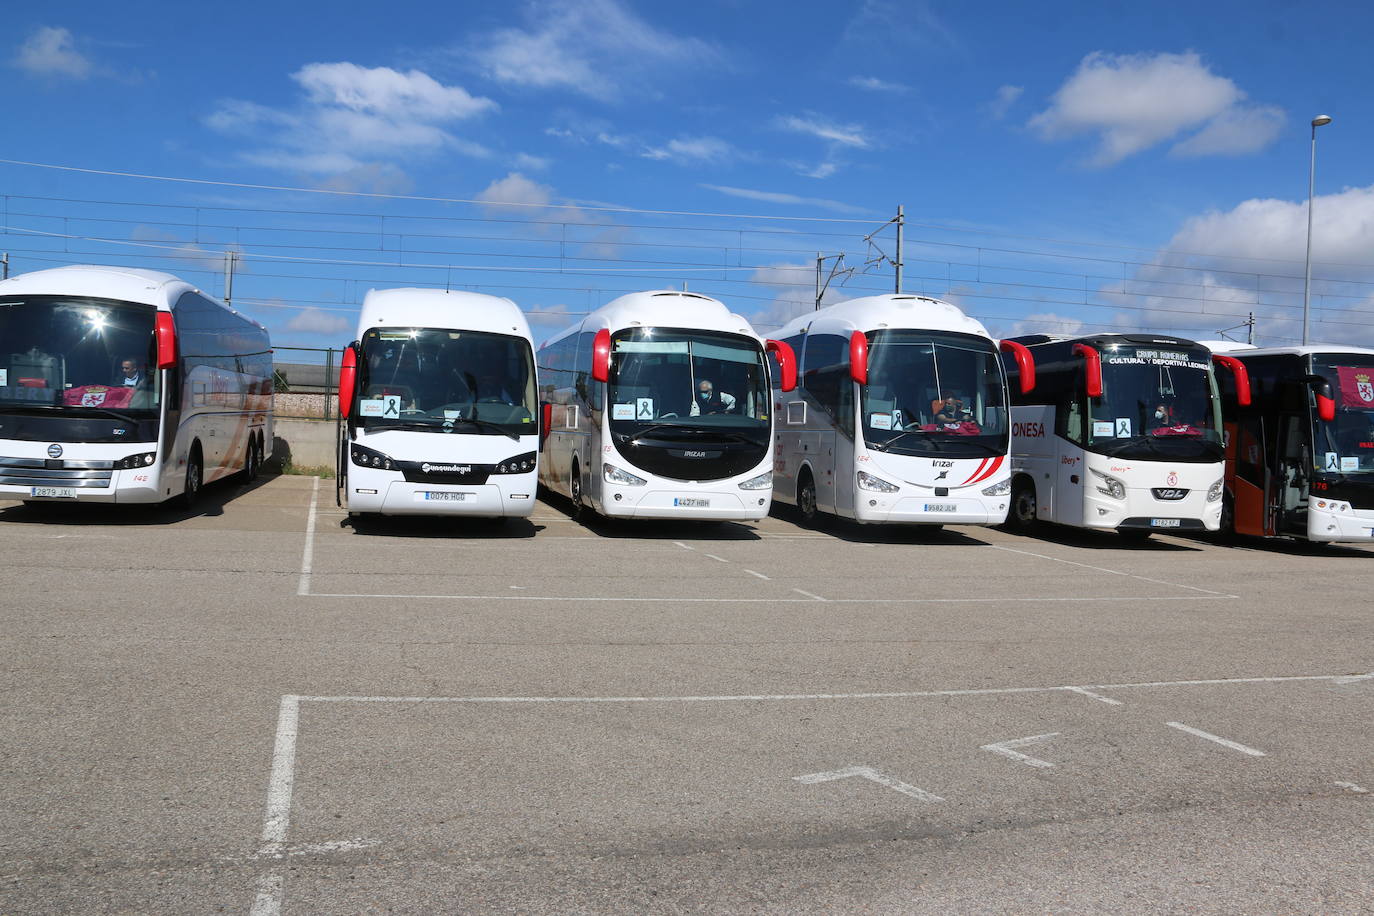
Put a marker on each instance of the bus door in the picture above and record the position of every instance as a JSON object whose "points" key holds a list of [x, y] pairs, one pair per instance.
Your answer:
{"points": [[1294, 473], [1252, 491]]}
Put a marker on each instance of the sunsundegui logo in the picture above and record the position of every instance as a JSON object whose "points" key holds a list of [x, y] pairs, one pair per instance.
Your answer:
{"points": [[446, 468], [1032, 430]]}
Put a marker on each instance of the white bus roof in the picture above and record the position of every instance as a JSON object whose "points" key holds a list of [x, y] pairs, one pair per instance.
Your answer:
{"points": [[662, 308], [1307, 350], [128, 284], [1226, 346], [871, 313], [458, 310]]}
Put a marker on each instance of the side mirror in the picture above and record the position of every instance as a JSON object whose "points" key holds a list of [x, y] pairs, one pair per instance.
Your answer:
{"points": [[787, 364], [1092, 367], [601, 356], [545, 421], [1326, 403], [348, 381], [165, 331], [1237, 369], [858, 357], [1025, 363]]}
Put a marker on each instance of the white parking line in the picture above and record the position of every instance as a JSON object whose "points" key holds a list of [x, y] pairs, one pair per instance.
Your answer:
{"points": [[871, 775], [1096, 696], [308, 556], [1114, 572], [759, 574], [1352, 787], [683, 546], [716, 558], [1023, 599], [1233, 745], [1005, 749], [278, 818], [808, 594]]}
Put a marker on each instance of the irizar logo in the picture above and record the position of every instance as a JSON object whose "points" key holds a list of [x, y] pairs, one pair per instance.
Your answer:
{"points": [[693, 454], [446, 468]]}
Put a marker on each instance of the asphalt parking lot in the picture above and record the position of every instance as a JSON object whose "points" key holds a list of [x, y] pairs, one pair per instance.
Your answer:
{"points": [[261, 708]]}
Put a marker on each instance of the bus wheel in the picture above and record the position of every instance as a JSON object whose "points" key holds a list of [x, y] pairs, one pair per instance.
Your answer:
{"points": [[195, 477], [1228, 514], [806, 498], [579, 508], [250, 461], [1024, 510]]}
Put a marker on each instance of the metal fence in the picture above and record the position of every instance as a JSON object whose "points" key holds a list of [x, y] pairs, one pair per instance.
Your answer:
{"points": [[305, 380]]}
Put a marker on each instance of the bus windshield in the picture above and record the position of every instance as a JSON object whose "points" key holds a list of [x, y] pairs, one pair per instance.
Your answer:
{"points": [[933, 394], [1346, 444], [443, 381], [78, 356], [1157, 403], [677, 377]]}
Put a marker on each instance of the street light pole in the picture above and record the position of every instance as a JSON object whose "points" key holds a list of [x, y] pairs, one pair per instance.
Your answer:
{"points": [[1318, 121]]}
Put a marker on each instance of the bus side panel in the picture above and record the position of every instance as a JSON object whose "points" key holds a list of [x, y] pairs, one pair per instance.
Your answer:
{"points": [[790, 430], [1035, 454]]}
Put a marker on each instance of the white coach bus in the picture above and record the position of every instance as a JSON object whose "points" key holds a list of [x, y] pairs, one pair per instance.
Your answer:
{"points": [[1121, 431], [900, 415], [120, 385], [437, 407], [659, 408]]}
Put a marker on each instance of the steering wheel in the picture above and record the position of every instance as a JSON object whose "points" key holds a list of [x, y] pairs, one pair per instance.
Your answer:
{"points": [[664, 416], [412, 410]]}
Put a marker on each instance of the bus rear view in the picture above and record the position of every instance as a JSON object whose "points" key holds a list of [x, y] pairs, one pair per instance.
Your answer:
{"points": [[437, 400]]}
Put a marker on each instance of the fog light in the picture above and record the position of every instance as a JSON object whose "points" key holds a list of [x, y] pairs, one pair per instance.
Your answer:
{"points": [[618, 497], [762, 501], [872, 503]]}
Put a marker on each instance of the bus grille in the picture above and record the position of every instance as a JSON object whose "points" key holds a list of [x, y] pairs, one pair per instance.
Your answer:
{"points": [[55, 472]]}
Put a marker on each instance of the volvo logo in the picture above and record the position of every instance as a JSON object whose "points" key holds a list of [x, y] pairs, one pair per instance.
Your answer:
{"points": [[54, 451]]}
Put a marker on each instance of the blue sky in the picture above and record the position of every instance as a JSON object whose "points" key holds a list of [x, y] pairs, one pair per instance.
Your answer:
{"points": [[1066, 167]]}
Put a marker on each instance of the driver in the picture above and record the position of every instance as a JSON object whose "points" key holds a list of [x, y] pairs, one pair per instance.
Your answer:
{"points": [[709, 401], [950, 408], [130, 375], [491, 388]]}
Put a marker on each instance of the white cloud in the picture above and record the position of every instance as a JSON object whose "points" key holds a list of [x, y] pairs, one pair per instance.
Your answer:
{"points": [[796, 293], [532, 163], [1044, 323], [351, 118], [774, 197], [1134, 102], [317, 321], [1005, 98], [851, 135], [1236, 132], [873, 84], [1223, 264], [594, 47], [515, 189], [51, 52], [691, 150]]}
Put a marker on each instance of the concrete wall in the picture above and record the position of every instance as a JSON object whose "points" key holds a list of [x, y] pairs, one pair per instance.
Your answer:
{"points": [[304, 442]]}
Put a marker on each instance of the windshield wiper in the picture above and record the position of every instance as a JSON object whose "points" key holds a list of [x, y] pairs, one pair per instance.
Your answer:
{"points": [[482, 424], [68, 409], [884, 446]]}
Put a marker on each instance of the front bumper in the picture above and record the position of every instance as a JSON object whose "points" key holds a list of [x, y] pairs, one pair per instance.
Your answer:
{"points": [[1332, 526]]}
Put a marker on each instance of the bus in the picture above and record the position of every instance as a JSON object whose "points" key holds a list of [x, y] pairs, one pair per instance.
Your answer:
{"points": [[1300, 454], [121, 385], [659, 407], [1120, 432], [900, 415], [437, 411]]}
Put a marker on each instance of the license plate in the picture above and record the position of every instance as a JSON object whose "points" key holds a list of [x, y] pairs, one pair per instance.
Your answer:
{"points": [[691, 502], [941, 507], [445, 497], [1165, 522], [53, 492]]}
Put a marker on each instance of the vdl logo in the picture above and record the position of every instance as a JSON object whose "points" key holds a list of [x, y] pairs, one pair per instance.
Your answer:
{"points": [[54, 451]]}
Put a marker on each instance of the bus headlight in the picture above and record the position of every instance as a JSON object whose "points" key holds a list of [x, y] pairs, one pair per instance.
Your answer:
{"points": [[762, 482], [520, 464], [614, 474], [136, 461], [998, 489], [868, 482], [1110, 485], [1214, 491], [369, 458]]}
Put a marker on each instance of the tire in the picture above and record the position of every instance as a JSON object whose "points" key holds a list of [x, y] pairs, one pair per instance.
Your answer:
{"points": [[252, 463], [579, 508], [195, 479], [806, 499], [1228, 515], [1024, 510]]}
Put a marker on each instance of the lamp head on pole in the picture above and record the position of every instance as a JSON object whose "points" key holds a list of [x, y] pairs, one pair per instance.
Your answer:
{"points": [[1321, 120]]}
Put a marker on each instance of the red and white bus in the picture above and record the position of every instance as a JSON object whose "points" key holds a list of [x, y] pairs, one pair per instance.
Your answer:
{"points": [[121, 385]]}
